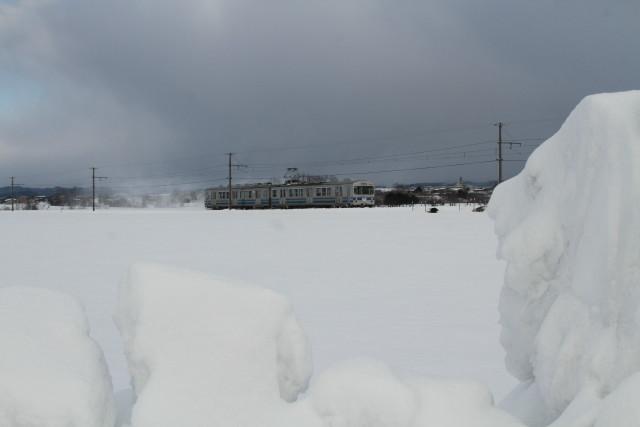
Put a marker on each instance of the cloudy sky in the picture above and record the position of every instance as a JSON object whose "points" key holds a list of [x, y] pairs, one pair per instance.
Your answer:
{"points": [[154, 92]]}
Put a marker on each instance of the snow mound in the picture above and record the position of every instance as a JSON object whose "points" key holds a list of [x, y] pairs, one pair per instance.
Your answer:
{"points": [[365, 393], [205, 352], [569, 227], [52, 374]]}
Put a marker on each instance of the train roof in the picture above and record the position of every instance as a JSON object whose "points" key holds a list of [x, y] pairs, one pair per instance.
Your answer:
{"points": [[293, 184]]}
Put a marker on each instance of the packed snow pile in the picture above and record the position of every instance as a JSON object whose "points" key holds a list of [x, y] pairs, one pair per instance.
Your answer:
{"points": [[569, 229], [365, 393], [52, 374], [205, 352]]}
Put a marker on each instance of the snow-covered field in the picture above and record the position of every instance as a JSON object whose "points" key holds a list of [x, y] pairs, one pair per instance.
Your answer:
{"points": [[417, 291], [401, 288]]}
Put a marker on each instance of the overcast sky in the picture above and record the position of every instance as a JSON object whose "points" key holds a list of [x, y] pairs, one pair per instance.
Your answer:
{"points": [[156, 91]]}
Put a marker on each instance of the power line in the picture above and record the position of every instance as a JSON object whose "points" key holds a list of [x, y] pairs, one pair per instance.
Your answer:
{"points": [[367, 172], [388, 156], [454, 151], [195, 172], [174, 184], [372, 172]]}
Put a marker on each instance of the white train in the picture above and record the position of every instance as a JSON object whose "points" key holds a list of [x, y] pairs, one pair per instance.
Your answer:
{"points": [[297, 192]]}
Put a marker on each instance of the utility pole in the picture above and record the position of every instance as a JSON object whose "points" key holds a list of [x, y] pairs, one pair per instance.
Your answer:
{"points": [[13, 198], [232, 165], [499, 124], [93, 187], [229, 198]]}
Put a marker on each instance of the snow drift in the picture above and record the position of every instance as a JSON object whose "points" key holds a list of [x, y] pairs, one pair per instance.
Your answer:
{"points": [[52, 374], [364, 393], [569, 229], [206, 352]]}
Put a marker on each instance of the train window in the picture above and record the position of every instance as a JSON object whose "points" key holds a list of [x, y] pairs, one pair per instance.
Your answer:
{"points": [[323, 191], [364, 190]]}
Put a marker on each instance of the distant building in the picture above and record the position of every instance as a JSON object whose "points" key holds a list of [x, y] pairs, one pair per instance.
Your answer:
{"points": [[459, 192]]}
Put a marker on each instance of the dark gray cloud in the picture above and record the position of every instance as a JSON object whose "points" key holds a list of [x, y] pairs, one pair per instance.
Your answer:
{"points": [[164, 88]]}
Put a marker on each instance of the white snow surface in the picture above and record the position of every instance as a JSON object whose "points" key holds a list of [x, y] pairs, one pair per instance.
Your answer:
{"points": [[568, 228], [416, 291], [52, 374], [203, 352]]}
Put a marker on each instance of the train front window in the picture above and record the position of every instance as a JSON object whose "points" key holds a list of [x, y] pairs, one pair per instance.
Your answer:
{"points": [[363, 190]]}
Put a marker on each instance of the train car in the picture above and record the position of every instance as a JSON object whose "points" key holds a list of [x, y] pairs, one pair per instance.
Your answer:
{"points": [[293, 193]]}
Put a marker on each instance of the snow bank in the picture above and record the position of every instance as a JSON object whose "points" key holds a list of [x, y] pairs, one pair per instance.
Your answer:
{"points": [[569, 227], [204, 352], [52, 374], [366, 394]]}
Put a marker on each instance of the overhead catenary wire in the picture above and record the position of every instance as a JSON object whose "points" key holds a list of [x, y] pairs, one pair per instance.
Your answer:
{"points": [[440, 153], [174, 184], [459, 155], [462, 152], [367, 172]]}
